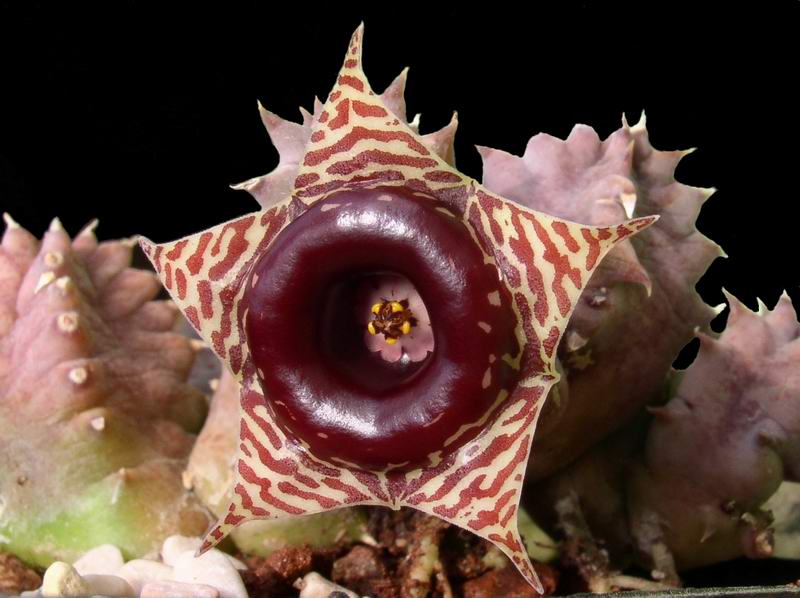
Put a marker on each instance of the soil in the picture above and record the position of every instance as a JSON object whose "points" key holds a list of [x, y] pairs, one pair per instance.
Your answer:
{"points": [[15, 576], [409, 555], [413, 556]]}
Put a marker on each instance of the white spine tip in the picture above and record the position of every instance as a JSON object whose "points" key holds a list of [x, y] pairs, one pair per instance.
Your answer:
{"points": [[213, 384], [628, 201], [68, 321], [197, 344], [89, 228], [78, 375], [44, 279], [130, 242], [10, 222], [56, 226], [186, 480], [64, 284], [98, 423], [53, 259], [575, 341]]}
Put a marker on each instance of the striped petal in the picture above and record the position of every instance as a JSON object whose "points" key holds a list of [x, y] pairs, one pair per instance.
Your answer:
{"points": [[357, 141]]}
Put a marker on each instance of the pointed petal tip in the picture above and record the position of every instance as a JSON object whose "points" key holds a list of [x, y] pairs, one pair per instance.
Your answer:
{"points": [[354, 48], [146, 244], [644, 221]]}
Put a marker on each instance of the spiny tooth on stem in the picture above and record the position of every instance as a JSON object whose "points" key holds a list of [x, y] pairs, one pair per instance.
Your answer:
{"points": [[56, 226], [10, 222], [68, 321], [642, 124], [78, 375], [307, 116], [394, 95], [575, 341], [197, 344], [628, 201], [737, 308], [719, 308], [53, 259], [318, 107], [98, 423], [442, 142], [44, 279], [90, 228], [65, 284]]}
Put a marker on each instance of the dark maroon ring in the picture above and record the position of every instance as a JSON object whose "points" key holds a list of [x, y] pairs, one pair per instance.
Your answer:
{"points": [[325, 388]]}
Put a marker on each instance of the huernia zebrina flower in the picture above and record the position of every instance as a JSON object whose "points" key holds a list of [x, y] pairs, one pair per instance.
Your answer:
{"points": [[369, 240]]}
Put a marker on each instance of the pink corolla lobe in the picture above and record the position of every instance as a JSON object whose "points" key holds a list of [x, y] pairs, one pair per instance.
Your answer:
{"points": [[320, 379]]}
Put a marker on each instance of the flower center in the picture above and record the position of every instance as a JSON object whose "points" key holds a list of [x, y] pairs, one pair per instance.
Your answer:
{"points": [[343, 343], [392, 319]]}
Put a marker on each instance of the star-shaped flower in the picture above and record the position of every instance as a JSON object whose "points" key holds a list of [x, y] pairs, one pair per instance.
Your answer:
{"points": [[301, 451]]}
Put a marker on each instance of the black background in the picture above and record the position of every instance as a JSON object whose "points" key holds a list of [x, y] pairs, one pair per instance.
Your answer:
{"points": [[142, 115]]}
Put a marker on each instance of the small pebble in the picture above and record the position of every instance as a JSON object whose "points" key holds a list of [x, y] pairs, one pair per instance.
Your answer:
{"points": [[101, 560], [176, 589], [110, 586], [238, 565], [174, 546], [212, 568], [139, 572], [61, 580], [314, 585]]}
